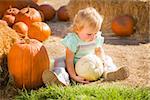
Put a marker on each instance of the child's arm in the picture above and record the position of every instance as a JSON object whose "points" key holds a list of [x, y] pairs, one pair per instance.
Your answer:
{"points": [[70, 67], [100, 52]]}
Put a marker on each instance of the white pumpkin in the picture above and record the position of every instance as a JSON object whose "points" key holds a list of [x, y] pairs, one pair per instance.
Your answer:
{"points": [[89, 67]]}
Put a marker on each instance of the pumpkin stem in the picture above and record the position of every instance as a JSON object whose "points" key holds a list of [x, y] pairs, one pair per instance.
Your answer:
{"points": [[27, 40], [28, 9], [22, 35]]}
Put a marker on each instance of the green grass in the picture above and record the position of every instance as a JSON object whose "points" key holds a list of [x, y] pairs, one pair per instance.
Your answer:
{"points": [[80, 92]]}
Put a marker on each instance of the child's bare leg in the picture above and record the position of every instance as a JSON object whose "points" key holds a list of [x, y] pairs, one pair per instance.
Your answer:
{"points": [[58, 75]]}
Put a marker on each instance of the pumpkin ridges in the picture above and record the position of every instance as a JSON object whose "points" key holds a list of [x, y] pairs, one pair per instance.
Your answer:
{"points": [[30, 59], [37, 69], [15, 70], [28, 16], [27, 62], [40, 64]]}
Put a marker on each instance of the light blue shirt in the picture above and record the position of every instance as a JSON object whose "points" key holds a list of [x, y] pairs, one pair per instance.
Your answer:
{"points": [[81, 48]]}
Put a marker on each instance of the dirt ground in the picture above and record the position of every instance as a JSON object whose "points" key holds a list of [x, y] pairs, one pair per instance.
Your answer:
{"points": [[135, 57], [124, 52], [127, 53]]}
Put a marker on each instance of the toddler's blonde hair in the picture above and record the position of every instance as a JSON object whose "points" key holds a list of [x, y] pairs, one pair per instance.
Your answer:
{"points": [[87, 16]]}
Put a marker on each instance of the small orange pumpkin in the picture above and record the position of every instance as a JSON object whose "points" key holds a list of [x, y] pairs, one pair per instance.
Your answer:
{"points": [[10, 19], [62, 14], [39, 30], [48, 11], [27, 59], [28, 16], [21, 28], [123, 25], [12, 11], [35, 1]]}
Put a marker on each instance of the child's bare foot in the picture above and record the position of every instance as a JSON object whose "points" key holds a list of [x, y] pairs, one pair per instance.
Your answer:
{"points": [[120, 74], [50, 78]]}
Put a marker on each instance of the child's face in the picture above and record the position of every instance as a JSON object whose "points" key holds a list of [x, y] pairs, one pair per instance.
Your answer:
{"points": [[87, 33]]}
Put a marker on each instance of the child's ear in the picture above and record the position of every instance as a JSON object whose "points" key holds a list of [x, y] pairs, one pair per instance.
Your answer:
{"points": [[78, 29]]}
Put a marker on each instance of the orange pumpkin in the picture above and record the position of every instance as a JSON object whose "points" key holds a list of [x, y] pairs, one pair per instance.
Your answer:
{"points": [[28, 16], [123, 25], [5, 4], [62, 14], [35, 1], [10, 19], [12, 11], [48, 11], [21, 28], [3, 22], [39, 30], [42, 15], [27, 59]]}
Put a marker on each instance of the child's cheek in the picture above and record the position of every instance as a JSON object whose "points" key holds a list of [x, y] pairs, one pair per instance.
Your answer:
{"points": [[84, 37]]}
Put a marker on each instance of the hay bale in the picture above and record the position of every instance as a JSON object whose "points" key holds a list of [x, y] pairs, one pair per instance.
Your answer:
{"points": [[7, 37], [138, 9]]}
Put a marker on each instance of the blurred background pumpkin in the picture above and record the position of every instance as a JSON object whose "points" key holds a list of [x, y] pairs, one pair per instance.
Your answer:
{"points": [[28, 16], [48, 11], [123, 25], [62, 14]]}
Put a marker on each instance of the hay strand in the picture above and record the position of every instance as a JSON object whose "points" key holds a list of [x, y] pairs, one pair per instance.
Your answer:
{"points": [[7, 37]]}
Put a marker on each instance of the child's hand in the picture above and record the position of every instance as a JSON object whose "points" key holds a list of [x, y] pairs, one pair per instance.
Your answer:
{"points": [[80, 80]]}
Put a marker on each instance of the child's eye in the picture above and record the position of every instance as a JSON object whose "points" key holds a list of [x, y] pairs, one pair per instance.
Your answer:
{"points": [[89, 34]]}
